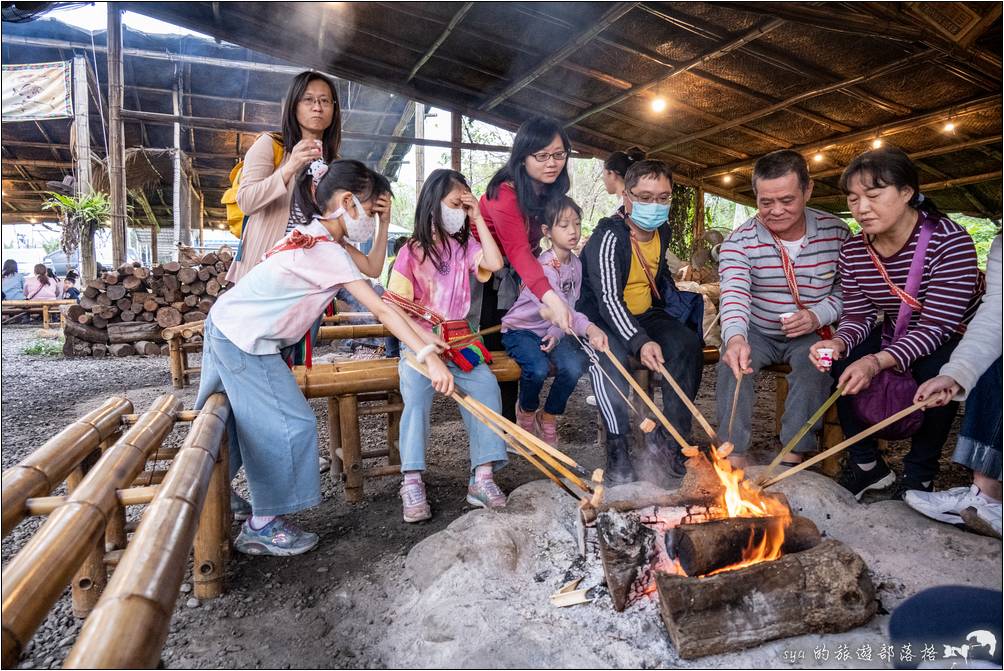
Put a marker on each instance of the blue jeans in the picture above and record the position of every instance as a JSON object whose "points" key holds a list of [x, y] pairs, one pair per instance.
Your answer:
{"points": [[417, 393], [569, 363], [979, 446], [272, 429]]}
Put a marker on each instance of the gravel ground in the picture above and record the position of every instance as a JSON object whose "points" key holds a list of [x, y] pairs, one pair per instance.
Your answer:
{"points": [[331, 607]]}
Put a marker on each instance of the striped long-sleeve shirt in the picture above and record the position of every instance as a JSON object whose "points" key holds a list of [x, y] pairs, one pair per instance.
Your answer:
{"points": [[754, 290], [950, 291]]}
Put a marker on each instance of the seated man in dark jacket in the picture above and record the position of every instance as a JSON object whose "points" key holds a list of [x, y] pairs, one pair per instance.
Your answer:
{"points": [[624, 277]]}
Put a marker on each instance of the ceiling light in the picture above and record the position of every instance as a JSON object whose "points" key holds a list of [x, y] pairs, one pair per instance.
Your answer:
{"points": [[727, 179], [949, 127], [818, 158], [876, 143], [659, 104]]}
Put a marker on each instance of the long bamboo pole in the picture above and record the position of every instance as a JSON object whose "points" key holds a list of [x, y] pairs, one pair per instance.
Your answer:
{"points": [[37, 575], [698, 415], [44, 469], [130, 623], [847, 443], [680, 440], [816, 416]]}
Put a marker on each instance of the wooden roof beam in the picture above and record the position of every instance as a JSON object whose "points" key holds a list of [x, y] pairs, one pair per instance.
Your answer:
{"points": [[882, 130], [806, 95], [934, 186], [610, 17], [402, 123], [457, 18], [721, 49], [783, 62]]}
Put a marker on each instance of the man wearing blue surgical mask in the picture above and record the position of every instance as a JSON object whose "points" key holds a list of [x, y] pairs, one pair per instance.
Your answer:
{"points": [[625, 280]]}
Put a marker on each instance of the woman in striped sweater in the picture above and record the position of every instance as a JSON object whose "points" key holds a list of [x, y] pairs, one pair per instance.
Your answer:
{"points": [[884, 196]]}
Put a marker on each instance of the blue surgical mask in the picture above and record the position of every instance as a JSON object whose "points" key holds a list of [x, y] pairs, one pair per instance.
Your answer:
{"points": [[649, 216]]}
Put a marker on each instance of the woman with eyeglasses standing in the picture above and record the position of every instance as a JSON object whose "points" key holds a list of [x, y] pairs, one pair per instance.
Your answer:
{"points": [[513, 208], [311, 130]]}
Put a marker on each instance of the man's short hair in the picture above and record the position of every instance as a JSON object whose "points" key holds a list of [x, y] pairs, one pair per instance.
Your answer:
{"points": [[778, 164], [647, 168]]}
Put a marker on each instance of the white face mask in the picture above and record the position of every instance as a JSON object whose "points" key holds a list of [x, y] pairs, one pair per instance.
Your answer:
{"points": [[453, 220], [358, 230]]}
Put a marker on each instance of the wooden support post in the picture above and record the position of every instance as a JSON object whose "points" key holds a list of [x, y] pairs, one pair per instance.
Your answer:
{"points": [[202, 222], [90, 579], [82, 134], [177, 361], [116, 136], [394, 429], [348, 421], [419, 149], [154, 252], [456, 137], [780, 396], [698, 214], [212, 537], [176, 164], [186, 378], [334, 438], [45, 317]]}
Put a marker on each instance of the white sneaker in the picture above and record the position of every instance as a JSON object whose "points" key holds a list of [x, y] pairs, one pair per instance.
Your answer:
{"points": [[947, 506]]}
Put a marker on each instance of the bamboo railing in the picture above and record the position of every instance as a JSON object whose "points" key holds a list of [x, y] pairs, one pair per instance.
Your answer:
{"points": [[130, 622], [45, 468], [85, 534]]}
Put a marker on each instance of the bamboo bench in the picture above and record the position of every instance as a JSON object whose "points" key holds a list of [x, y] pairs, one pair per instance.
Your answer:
{"points": [[103, 458], [45, 308], [355, 389], [180, 345]]}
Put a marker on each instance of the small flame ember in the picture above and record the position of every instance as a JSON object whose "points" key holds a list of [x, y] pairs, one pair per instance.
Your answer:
{"points": [[742, 498]]}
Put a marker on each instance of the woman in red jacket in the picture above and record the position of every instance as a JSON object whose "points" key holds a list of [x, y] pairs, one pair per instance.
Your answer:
{"points": [[513, 207]]}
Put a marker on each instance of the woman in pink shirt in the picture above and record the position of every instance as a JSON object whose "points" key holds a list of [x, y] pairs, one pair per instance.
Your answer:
{"points": [[40, 287]]}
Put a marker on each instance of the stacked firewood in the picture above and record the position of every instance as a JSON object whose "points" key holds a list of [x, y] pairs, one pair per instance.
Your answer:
{"points": [[123, 311]]}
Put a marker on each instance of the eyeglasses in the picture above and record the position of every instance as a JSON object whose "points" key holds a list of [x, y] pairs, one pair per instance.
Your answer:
{"points": [[662, 199], [307, 101], [541, 157]]}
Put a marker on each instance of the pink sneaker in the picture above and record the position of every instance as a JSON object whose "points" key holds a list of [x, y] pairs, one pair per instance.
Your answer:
{"points": [[485, 494], [527, 420], [416, 507], [548, 428]]}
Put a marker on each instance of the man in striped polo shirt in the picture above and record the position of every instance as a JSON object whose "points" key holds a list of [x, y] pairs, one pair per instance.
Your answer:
{"points": [[780, 263]]}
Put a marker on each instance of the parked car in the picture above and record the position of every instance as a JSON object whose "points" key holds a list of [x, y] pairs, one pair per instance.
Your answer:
{"points": [[59, 263]]}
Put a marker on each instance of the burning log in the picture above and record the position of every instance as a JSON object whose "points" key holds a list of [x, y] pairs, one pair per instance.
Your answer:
{"points": [[626, 545], [822, 590], [707, 547]]}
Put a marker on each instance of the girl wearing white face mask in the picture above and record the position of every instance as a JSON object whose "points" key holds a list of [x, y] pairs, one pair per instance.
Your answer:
{"points": [[272, 429], [431, 282]]}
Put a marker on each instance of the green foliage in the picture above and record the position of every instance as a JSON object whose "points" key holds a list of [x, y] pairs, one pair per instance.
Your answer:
{"points": [[81, 215], [983, 231], [42, 347], [681, 221], [50, 246]]}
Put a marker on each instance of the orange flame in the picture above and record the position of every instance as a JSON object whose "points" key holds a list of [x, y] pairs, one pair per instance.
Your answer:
{"points": [[741, 498]]}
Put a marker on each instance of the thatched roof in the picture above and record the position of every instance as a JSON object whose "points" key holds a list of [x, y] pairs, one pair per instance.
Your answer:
{"points": [[741, 78], [211, 89]]}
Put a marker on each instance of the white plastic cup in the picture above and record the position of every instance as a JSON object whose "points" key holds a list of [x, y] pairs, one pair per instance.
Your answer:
{"points": [[825, 355], [786, 315]]}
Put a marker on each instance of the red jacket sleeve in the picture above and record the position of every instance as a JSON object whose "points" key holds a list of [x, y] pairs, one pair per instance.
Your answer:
{"points": [[508, 226]]}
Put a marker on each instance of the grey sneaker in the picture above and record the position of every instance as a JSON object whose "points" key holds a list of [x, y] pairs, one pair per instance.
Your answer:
{"points": [[279, 538], [239, 507], [485, 494]]}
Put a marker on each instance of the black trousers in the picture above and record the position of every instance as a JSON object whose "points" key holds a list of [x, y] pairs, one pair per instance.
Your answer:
{"points": [[681, 348], [921, 462], [492, 316]]}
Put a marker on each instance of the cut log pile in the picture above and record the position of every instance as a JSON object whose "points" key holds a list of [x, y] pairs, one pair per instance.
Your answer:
{"points": [[123, 311]]}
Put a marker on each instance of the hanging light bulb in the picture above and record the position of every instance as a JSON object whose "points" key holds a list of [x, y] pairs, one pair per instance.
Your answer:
{"points": [[659, 104], [949, 126], [818, 158], [727, 179], [876, 143]]}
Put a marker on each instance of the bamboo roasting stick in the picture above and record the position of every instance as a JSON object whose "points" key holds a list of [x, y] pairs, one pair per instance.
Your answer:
{"points": [[847, 443], [712, 434], [735, 403], [646, 424], [801, 432], [680, 440], [474, 336], [541, 450]]}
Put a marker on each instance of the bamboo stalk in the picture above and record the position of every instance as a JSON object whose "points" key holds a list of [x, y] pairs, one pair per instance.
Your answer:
{"points": [[346, 316], [183, 416], [680, 440], [42, 471], [847, 443], [698, 415], [735, 403], [212, 535], [65, 538], [816, 416], [132, 496], [135, 609], [352, 331]]}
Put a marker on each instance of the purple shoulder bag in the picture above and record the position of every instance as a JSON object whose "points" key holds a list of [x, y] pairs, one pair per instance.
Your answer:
{"points": [[891, 391]]}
